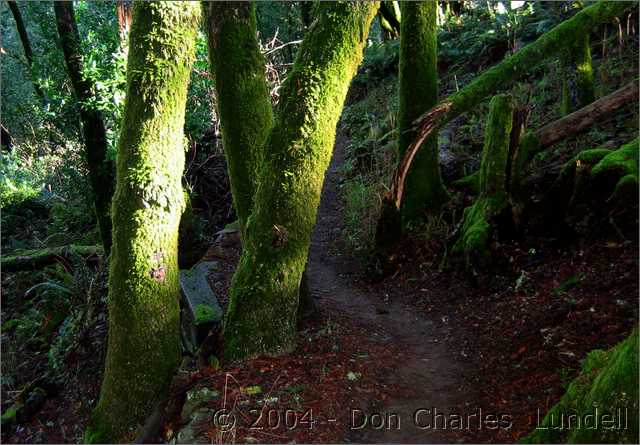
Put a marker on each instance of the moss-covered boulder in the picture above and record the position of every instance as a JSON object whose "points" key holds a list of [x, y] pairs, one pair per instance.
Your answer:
{"points": [[617, 172], [601, 404]]}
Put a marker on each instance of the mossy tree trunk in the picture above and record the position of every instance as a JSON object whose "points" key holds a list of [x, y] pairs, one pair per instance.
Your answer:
{"points": [[144, 340], [577, 80], [95, 139], [483, 216], [242, 94], [261, 318], [418, 91]]}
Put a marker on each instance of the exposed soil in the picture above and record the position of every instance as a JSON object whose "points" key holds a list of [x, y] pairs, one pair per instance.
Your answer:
{"points": [[423, 373]]}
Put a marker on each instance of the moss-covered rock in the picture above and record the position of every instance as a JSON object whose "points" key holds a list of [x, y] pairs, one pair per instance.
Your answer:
{"points": [[601, 404]]}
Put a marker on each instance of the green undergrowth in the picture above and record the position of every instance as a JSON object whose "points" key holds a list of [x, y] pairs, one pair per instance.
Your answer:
{"points": [[46, 315], [44, 199], [370, 125]]}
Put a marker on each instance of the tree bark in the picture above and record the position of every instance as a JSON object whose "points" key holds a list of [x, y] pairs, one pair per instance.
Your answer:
{"points": [[418, 90], [26, 45], [498, 77], [242, 94], [124, 9], [390, 17], [95, 139], [584, 118], [261, 317], [480, 218], [577, 80], [144, 319], [5, 138]]}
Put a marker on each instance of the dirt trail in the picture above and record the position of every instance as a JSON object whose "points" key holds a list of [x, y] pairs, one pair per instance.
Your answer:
{"points": [[431, 378]]}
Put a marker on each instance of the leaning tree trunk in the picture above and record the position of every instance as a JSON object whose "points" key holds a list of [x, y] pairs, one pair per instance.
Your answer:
{"points": [[492, 80], [144, 341], [491, 206], [242, 94], [95, 139], [418, 91], [261, 318], [26, 45], [577, 77]]}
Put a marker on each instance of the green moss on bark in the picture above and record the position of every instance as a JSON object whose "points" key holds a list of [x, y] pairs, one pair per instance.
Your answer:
{"points": [[488, 83], [508, 71], [577, 80], [418, 91], [608, 381], [242, 95], [144, 342], [261, 317], [389, 15], [626, 190], [493, 199]]}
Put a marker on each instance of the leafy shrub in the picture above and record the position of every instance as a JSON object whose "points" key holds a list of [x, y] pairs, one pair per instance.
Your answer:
{"points": [[18, 182]]}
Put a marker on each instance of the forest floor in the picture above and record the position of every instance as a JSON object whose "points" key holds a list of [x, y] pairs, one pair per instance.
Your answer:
{"points": [[428, 354]]}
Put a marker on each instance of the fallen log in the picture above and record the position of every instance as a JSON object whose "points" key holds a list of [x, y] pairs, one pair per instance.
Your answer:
{"points": [[533, 142], [34, 259], [582, 119]]}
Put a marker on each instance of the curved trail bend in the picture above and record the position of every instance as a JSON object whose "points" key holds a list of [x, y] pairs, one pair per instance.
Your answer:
{"points": [[429, 374]]}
